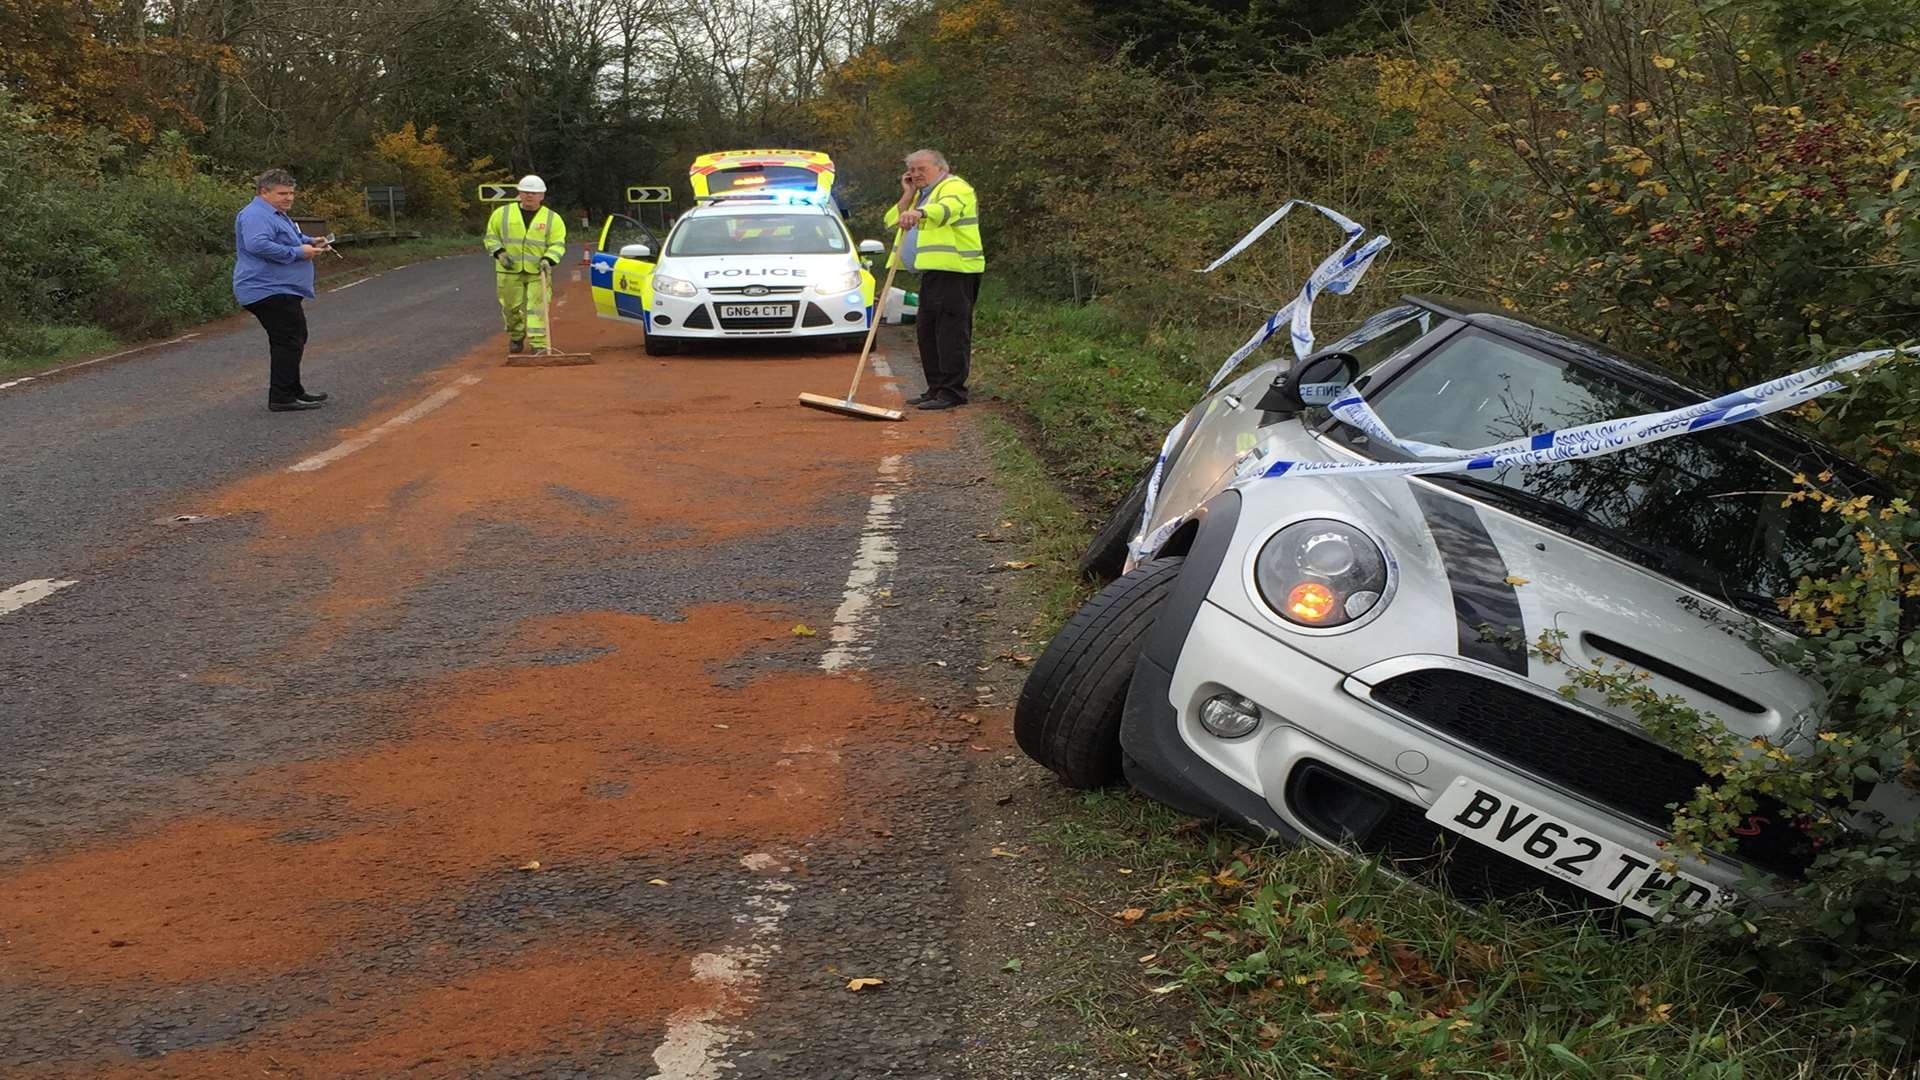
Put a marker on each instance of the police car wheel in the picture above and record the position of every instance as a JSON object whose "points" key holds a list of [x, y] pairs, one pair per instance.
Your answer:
{"points": [[1068, 716], [659, 346], [1107, 553]]}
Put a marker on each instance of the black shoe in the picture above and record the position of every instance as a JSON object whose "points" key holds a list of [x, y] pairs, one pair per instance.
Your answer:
{"points": [[941, 403], [919, 398], [296, 405], [515, 346], [305, 395]]}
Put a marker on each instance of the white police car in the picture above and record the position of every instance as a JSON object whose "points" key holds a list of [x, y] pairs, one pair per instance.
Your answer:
{"points": [[739, 265], [1343, 658]]}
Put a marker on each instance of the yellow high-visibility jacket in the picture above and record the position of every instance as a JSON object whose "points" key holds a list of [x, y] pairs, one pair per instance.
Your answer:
{"points": [[948, 237], [507, 230]]}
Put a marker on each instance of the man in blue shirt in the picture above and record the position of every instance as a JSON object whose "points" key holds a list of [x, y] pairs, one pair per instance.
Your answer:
{"points": [[272, 274]]}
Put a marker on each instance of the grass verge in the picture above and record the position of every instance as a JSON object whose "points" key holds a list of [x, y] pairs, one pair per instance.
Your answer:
{"points": [[1261, 962], [56, 345], [1096, 392]]}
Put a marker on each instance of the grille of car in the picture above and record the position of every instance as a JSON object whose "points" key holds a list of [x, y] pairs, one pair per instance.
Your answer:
{"points": [[776, 322], [700, 320], [1582, 753], [816, 317]]}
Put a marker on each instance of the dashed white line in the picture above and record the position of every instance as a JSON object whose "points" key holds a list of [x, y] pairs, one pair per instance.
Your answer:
{"points": [[875, 555], [696, 1042], [351, 284], [361, 442], [30, 592]]}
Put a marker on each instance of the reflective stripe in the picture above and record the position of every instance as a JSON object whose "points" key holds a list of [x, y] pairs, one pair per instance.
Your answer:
{"points": [[966, 221], [924, 248]]}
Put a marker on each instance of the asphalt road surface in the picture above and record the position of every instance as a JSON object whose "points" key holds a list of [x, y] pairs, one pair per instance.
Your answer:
{"points": [[592, 721]]}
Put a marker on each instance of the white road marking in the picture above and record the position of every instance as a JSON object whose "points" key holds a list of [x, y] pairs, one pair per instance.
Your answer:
{"points": [[351, 284], [101, 359], [875, 555], [30, 592], [361, 442], [696, 1042]]}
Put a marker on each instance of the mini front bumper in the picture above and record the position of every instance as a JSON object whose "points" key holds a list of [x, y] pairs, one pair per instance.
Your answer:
{"points": [[1325, 753]]}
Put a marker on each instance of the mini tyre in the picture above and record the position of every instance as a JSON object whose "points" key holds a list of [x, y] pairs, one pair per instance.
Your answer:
{"points": [[1068, 716], [1107, 554]]}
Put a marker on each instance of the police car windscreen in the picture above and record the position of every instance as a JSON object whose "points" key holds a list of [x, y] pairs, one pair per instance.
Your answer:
{"points": [[1704, 509], [762, 178], [759, 234]]}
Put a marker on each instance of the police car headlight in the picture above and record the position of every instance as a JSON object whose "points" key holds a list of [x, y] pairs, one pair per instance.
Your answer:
{"points": [[674, 286], [835, 284], [1321, 573]]}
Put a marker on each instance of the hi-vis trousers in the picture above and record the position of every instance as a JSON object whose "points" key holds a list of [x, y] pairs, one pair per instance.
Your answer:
{"points": [[523, 306]]}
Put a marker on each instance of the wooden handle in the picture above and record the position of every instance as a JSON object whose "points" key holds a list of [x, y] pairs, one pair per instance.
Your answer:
{"points": [[879, 307], [546, 305]]}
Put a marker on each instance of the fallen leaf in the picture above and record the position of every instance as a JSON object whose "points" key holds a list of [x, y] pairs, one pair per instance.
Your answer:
{"points": [[657, 881], [803, 630], [938, 663], [1900, 179], [857, 985], [1150, 958], [1167, 989], [530, 866], [1132, 915], [1003, 853], [1014, 965], [1513, 580], [1015, 564], [722, 727], [975, 746], [1122, 870]]}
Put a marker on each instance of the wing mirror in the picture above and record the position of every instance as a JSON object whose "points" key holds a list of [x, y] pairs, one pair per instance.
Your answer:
{"points": [[1329, 368], [872, 247], [636, 251]]}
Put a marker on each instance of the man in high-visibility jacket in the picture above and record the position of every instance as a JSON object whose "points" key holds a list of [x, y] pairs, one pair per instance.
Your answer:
{"points": [[938, 219], [526, 240]]}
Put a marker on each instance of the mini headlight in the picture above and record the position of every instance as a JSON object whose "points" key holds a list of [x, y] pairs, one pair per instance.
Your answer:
{"points": [[1321, 573], [835, 284], [673, 286]]}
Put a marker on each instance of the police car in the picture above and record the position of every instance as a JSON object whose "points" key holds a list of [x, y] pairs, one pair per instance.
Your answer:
{"points": [[1343, 658], [763, 253]]}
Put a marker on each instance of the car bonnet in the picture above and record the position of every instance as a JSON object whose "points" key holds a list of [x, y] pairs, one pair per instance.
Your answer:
{"points": [[1480, 587]]}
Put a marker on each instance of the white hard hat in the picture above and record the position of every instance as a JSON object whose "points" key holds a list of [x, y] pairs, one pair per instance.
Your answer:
{"points": [[533, 183]]}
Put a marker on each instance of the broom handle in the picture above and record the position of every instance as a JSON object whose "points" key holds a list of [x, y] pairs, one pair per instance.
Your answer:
{"points": [[879, 307], [546, 305]]}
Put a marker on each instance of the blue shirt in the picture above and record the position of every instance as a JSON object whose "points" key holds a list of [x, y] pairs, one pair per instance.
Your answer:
{"points": [[266, 255]]}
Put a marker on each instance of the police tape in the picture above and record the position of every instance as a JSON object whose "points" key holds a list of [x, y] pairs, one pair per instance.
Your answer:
{"points": [[1338, 273]]}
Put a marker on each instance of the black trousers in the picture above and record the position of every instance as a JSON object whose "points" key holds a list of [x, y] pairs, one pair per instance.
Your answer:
{"points": [[286, 324], [945, 324]]}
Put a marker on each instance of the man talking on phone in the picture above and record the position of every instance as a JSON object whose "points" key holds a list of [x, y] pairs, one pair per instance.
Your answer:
{"points": [[938, 219]]}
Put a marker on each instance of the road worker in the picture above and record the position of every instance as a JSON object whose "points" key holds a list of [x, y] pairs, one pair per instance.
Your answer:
{"points": [[526, 240], [939, 227]]}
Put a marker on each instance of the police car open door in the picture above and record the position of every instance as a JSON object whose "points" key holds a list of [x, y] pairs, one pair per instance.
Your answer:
{"points": [[622, 276]]}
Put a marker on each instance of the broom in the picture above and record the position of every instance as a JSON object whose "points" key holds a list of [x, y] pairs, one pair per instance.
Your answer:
{"points": [[848, 406], [551, 357]]}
